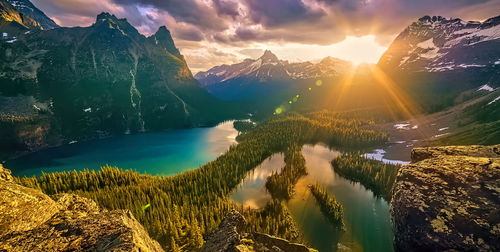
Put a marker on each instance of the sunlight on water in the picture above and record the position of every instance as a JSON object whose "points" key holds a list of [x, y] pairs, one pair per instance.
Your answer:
{"points": [[366, 217]]}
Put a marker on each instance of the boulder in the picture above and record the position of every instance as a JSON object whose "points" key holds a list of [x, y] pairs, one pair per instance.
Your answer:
{"points": [[448, 199], [33, 221], [230, 236]]}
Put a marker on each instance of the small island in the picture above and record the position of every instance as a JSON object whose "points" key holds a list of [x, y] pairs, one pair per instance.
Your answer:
{"points": [[330, 207]]}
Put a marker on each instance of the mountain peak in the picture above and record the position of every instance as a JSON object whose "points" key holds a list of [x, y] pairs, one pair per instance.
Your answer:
{"points": [[162, 30], [105, 16], [429, 19], [268, 56]]}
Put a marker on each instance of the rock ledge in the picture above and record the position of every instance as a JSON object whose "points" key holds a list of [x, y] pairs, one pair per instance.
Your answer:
{"points": [[448, 199], [33, 221]]}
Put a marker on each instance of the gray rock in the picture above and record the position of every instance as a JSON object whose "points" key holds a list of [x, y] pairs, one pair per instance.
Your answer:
{"points": [[448, 199], [32, 221], [230, 236]]}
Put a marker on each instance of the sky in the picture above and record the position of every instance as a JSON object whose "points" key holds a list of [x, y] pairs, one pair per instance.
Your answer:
{"points": [[215, 32]]}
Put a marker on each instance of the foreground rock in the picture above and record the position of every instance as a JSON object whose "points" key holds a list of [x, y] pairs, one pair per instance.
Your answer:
{"points": [[33, 221], [230, 236], [448, 199]]}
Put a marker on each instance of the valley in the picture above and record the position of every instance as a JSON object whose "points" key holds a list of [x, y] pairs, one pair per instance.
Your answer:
{"points": [[237, 128]]}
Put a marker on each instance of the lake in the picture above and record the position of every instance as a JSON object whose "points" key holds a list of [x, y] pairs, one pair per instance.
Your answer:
{"points": [[157, 153], [164, 153], [366, 217]]}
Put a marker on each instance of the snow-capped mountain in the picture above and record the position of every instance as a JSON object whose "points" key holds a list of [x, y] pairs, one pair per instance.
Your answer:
{"points": [[27, 8], [269, 67], [437, 44]]}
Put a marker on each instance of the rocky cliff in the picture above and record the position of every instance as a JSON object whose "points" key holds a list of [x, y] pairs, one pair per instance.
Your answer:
{"points": [[230, 236], [448, 199], [33, 221]]}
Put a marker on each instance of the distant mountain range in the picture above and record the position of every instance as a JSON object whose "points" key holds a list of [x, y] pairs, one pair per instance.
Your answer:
{"points": [[257, 77], [268, 67], [69, 84]]}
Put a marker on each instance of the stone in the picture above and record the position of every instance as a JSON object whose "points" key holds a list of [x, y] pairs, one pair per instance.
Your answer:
{"points": [[448, 199], [230, 236], [33, 221]]}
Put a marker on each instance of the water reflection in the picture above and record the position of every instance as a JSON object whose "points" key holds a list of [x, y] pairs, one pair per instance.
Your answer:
{"points": [[365, 216], [252, 191]]}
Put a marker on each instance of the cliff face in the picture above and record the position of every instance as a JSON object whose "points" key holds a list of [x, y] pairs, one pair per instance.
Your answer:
{"points": [[230, 236], [448, 199], [33, 221]]}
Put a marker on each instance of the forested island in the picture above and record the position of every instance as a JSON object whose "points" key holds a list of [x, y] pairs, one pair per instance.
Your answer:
{"points": [[330, 207], [372, 174]]}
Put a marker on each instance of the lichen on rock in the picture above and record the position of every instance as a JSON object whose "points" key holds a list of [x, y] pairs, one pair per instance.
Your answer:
{"points": [[448, 199], [33, 221], [230, 236]]}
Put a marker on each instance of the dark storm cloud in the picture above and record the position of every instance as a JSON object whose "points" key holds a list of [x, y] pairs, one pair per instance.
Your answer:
{"points": [[194, 12], [281, 12], [225, 7], [191, 34]]}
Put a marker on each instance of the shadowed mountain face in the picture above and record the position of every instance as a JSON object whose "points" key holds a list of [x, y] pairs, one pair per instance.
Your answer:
{"points": [[73, 83]]}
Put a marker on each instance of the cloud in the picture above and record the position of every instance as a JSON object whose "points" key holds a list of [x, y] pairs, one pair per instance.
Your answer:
{"points": [[282, 12], [226, 7], [232, 26]]}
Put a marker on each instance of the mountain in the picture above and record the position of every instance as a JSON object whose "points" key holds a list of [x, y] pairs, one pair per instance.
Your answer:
{"points": [[437, 44], [12, 22], [67, 84], [269, 67], [29, 9], [437, 59], [266, 76]]}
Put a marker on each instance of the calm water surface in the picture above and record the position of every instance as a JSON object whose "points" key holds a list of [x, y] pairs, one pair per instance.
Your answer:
{"points": [[366, 217], [158, 153]]}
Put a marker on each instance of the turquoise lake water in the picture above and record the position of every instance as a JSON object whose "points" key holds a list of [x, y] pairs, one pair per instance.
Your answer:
{"points": [[158, 153]]}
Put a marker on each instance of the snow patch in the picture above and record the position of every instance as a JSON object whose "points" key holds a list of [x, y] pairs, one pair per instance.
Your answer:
{"points": [[445, 128], [428, 44], [402, 126], [378, 154], [485, 88], [87, 110], [440, 135], [494, 100]]}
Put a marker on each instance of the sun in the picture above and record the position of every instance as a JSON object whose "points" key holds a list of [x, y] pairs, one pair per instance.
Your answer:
{"points": [[358, 50]]}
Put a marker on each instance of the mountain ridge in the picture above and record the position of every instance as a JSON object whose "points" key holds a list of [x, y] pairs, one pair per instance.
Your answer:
{"points": [[29, 9], [438, 44], [91, 82], [269, 66]]}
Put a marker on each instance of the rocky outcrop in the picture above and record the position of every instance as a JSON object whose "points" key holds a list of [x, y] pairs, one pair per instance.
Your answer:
{"points": [[448, 199], [230, 236], [33, 221]]}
